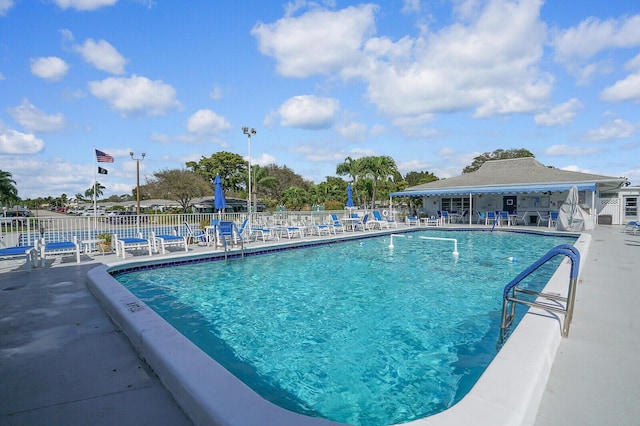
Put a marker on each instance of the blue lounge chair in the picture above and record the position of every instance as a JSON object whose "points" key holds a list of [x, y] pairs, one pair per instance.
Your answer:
{"points": [[445, 218], [379, 221], [162, 241], [30, 253], [137, 243], [503, 218], [196, 235], [491, 218], [632, 227], [336, 224], [412, 220], [59, 248], [262, 232], [229, 234]]}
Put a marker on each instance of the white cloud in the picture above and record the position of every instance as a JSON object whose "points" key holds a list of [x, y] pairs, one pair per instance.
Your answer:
{"points": [[623, 90], [411, 6], [616, 129], [102, 55], [216, 93], [5, 5], [35, 120], [161, 138], [352, 131], [135, 95], [490, 64], [633, 64], [84, 4], [377, 129], [566, 150], [14, 142], [207, 122], [559, 115], [308, 112], [49, 68], [318, 42], [592, 36], [264, 160]]}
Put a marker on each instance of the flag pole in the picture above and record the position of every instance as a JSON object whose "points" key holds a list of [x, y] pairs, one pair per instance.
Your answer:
{"points": [[95, 201]]}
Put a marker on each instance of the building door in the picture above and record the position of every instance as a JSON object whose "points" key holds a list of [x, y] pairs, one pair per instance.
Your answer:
{"points": [[509, 203]]}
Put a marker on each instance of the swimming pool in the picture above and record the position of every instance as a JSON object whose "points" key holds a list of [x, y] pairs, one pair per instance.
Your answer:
{"points": [[379, 344]]}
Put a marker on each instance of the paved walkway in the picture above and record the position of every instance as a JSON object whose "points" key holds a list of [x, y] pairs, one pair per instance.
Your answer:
{"points": [[63, 362], [595, 378]]}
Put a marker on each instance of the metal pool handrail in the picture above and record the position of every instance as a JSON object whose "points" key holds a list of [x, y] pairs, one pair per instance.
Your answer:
{"points": [[511, 290]]}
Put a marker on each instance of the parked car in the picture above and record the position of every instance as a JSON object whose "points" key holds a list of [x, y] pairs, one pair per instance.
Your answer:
{"points": [[15, 217], [94, 212], [122, 218]]}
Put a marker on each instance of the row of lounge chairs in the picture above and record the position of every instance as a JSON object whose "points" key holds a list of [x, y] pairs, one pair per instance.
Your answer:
{"points": [[40, 250], [224, 233]]}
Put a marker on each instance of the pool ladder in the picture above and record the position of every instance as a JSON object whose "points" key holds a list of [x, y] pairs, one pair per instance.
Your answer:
{"points": [[227, 230], [551, 302]]}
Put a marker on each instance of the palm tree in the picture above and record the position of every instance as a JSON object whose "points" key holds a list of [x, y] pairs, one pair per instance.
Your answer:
{"points": [[295, 198], [353, 168], [380, 168], [8, 190], [98, 189], [260, 178]]}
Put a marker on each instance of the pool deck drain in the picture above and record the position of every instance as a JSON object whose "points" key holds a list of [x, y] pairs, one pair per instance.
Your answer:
{"points": [[63, 361]]}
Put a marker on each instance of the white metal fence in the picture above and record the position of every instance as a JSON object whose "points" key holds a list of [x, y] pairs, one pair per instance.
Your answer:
{"points": [[65, 228]]}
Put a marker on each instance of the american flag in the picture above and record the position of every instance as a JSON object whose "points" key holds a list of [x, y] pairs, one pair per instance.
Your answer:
{"points": [[103, 157]]}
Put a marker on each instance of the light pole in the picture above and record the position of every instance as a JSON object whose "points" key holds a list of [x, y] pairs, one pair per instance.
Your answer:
{"points": [[249, 133], [137, 160]]}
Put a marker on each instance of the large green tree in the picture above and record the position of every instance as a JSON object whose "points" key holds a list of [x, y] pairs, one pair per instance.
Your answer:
{"points": [[286, 178], [180, 185], [295, 198], [419, 178], [8, 190], [498, 154], [231, 167]]}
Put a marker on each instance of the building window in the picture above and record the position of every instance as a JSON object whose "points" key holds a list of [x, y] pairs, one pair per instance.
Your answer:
{"points": [[455, 204], [631, 207]]}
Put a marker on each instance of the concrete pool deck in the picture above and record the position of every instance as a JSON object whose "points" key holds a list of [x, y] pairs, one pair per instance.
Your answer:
{"points": [[63, 361]]}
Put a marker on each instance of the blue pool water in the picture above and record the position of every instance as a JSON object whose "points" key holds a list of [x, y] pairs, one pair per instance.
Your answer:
{"points": [[352, 331]]}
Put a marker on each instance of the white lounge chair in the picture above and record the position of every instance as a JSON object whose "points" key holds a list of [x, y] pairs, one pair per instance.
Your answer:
{"points": [[522, 219], [59, 248], [196, 235], [30, 253], [124, 244], [412, 220], [336, 224], [379, 221], [162, 241]]}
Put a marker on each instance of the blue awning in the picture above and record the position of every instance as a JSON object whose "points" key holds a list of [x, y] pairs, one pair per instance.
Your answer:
{"points": [[502, 189]]}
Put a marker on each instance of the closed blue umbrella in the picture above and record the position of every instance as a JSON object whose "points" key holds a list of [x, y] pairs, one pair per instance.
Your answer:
{"points": [[349, 196], [219, 201]]}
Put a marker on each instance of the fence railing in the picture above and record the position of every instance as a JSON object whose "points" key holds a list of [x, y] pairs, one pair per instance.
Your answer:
{"points": [[64, 228]]}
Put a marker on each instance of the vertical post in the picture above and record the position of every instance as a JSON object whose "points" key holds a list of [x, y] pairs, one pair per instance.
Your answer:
{"points": [[249, 133], [137, 160]]}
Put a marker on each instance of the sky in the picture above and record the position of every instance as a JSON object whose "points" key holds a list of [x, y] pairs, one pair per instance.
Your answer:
{"points": [[431, 83]]}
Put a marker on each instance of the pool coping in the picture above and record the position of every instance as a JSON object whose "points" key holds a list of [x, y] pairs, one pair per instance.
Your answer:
{"points": [[508, 392]]}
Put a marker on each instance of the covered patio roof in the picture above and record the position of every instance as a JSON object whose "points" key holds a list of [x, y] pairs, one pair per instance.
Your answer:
{"points": [[513, 176]]}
